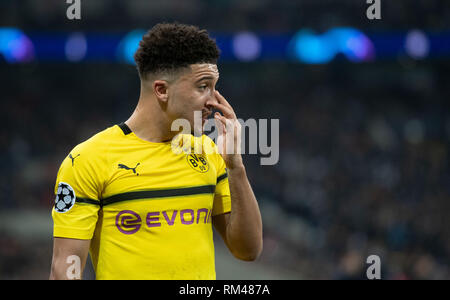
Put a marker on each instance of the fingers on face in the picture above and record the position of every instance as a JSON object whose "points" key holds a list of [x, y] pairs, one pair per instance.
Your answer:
{"points": [[225, 110], [220, 122], [223, 105], [226, 124]]}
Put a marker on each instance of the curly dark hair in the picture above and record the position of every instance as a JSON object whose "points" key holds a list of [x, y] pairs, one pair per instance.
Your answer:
{"points": [[171, 46]]}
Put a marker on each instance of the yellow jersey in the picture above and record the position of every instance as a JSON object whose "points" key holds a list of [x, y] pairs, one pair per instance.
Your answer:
{"points": [[146, 207]]}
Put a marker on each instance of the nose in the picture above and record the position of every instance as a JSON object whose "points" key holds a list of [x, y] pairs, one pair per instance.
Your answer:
{"points": [[211, 100]]}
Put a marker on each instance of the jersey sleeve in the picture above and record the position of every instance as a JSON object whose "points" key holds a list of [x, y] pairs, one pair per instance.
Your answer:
{"points": [[77, 193], [222, 198]]}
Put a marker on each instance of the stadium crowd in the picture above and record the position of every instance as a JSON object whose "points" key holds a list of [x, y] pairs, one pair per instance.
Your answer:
{"points": [[364, 148], [226, 15], [363, 165]]}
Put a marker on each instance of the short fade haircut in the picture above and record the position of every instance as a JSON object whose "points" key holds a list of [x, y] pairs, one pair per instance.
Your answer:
{"points": [[168, 47]]}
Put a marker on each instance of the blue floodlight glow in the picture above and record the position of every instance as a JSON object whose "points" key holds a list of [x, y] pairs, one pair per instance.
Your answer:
{"points": [[246, 46], [352, 43], [312, 48], [128, 46], [417, 44], [76, 47], [15, 46], [305, 46]]}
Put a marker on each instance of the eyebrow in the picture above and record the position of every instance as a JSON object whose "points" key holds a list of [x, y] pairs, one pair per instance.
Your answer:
{"points": [[206, 77]]}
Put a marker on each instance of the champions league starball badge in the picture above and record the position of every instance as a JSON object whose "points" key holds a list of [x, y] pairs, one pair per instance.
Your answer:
{"points": [[65, 198]]}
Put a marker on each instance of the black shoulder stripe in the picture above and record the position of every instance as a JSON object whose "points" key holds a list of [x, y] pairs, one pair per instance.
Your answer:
{"points": [[88, 201], [126, 130], [222, 177], [151, 194]]}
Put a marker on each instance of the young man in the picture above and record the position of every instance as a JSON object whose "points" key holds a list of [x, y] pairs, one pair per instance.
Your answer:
{"points": [[141, 209]]}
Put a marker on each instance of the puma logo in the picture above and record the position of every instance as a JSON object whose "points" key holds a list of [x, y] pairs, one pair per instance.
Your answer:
{"points": [[73, 158], [122, 166]]}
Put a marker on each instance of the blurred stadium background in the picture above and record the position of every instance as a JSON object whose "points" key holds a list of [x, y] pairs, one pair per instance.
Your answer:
{"points": [[364, 124]]}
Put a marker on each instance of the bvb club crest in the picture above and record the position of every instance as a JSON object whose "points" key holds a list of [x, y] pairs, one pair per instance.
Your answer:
{"points": [[198, 162]]}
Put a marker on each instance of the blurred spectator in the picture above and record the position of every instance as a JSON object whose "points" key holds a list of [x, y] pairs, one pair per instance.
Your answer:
{"points": [[362, 171]]}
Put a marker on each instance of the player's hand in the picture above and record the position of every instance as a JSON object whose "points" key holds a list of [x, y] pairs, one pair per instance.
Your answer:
{"points": [[229, 139]]}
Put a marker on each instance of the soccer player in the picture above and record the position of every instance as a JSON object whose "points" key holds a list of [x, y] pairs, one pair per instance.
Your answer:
{"points": [[141, 209]]}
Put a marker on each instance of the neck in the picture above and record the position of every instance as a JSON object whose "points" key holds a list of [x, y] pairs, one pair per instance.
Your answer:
{"points": [[149, 122]]}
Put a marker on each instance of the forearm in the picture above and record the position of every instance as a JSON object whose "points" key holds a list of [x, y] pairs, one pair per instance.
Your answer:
{"points": [[69, 258], [244, 229], [60, 270]]}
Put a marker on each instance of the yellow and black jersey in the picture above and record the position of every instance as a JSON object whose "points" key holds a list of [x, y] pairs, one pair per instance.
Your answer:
{"points": [[146, 206]]}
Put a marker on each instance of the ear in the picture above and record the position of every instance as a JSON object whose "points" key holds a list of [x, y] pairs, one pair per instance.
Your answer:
{"points": [[161, 90]]}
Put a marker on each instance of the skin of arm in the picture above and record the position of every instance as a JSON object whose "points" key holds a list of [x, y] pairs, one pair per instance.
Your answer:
{"points": [[241, 229], [63, 248]]}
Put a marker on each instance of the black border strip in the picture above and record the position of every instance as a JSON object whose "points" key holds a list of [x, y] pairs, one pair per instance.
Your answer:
{"points": [[126, 130], [88, 201], [203, 189], [222, 177]]}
